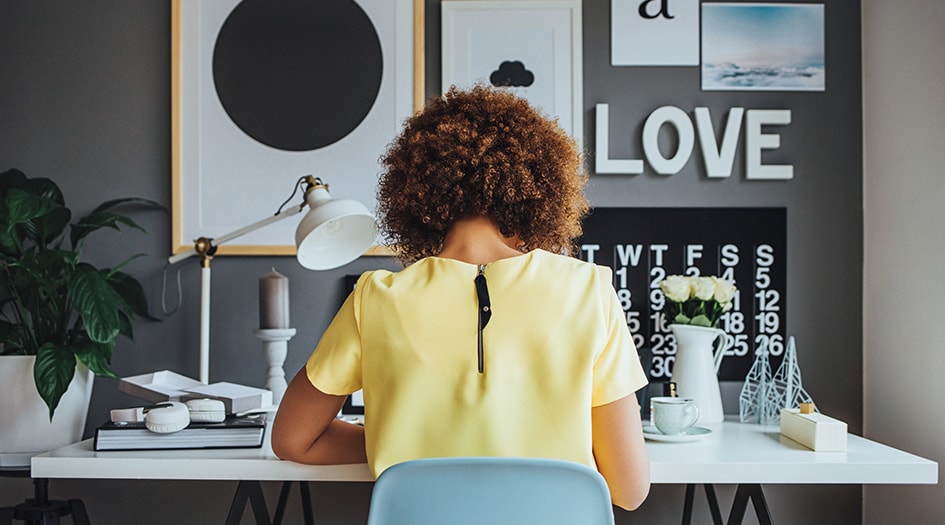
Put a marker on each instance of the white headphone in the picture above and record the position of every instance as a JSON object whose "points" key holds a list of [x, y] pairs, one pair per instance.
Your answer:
{"points": [[168, 417], [173, 416]]}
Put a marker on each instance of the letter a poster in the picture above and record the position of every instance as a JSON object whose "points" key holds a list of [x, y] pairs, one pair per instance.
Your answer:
{"points": [[654, 32]]}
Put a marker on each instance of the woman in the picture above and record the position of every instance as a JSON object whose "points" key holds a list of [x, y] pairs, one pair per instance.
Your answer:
{"points": [[490, 341]]}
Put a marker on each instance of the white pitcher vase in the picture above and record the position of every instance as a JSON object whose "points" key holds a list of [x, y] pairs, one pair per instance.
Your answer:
{"points": [[694, 370]]}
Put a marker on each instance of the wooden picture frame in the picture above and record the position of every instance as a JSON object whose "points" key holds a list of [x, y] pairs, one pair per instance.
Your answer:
{"points": [[224, 178], [534, 46]]}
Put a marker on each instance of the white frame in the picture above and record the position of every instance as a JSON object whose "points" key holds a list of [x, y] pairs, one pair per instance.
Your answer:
{"points": [[462, 19], [213, 193]]}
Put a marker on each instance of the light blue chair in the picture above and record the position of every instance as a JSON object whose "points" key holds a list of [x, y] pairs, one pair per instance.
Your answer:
{"points": [[490, 490]]}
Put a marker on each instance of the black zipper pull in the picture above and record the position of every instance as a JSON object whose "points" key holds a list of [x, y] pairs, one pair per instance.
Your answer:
{"points": [[485, 308]]}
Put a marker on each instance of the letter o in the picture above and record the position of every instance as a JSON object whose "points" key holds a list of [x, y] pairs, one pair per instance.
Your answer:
{"points": [[651, 130]]}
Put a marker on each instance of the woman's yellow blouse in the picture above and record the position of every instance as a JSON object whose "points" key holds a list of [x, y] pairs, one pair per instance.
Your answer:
{"points": [[556, 345]]}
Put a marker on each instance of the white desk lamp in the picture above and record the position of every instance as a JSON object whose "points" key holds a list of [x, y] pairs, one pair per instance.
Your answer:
{"points": [[332, 234]]}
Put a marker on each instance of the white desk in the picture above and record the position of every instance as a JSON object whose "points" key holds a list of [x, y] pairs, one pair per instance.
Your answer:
{"points": [[735, 453]]}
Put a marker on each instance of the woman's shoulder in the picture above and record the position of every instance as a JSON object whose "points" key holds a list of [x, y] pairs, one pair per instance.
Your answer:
{"points": [[538, 260], [569, 263], [420, 270]]}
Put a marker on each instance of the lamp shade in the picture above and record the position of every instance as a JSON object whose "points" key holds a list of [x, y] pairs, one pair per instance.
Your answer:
{"points": [[333, 232]]}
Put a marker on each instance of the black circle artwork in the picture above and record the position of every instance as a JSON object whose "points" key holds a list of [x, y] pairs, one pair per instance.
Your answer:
{"points": [[297, 75]]}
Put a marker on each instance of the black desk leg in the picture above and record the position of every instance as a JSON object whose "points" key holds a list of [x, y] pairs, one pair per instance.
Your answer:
{"points": [[710, 498], [280, 505], [250, 491], [687, 504], [306, 503], [284, 497], [753, 492]]}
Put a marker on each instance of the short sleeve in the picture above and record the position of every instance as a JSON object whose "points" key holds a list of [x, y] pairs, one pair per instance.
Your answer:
{"points": [[335, 365], [617, 370]]}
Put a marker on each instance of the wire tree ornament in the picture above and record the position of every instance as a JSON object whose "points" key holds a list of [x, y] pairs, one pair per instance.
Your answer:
{"points": [[764, 395], [787, 380], [753, 401]]}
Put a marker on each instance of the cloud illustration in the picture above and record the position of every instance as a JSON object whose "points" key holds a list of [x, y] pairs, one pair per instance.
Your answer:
{"points": [[512, 73]]}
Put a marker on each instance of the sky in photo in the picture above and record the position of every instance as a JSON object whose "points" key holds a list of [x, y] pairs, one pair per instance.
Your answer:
{"points": [[763, 46]]}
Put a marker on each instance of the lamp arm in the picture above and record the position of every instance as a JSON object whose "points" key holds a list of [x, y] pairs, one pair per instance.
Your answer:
{"points": [[174, 259]]}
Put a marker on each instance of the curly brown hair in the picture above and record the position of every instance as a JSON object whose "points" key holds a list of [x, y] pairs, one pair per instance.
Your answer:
{"points": [[481, 152]]}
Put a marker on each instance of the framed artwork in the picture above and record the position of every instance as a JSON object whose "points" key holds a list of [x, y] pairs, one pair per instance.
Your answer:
{"points": [[763, 47], [264, 93], [531, 46], [654, 33]]}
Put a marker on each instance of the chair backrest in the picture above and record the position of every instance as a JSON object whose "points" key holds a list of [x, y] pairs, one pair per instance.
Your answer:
{"points": [[490, 490]]}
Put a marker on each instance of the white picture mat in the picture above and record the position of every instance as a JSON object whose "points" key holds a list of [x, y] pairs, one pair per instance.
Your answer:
{"points": [[659, 41], [227, 180], [478, 35]]}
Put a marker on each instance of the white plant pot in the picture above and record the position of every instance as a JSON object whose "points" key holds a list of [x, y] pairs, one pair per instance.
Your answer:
{"points": [[25, 429]]}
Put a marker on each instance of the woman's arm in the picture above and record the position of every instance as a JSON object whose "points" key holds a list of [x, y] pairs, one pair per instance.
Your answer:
{"points": [[305, 429], [620, 451]]}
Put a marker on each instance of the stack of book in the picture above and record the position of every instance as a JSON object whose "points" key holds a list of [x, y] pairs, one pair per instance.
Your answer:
{"points": [[233, 432]]}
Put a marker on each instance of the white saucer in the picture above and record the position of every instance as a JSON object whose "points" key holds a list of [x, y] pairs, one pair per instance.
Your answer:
{"points": [[692, 434]]}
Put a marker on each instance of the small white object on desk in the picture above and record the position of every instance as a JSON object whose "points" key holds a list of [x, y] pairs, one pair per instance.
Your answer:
{"points": [[163, 385], [690, 434], [815, 431], [275, 345], [236, 398], [273, 300], [206, 410]]}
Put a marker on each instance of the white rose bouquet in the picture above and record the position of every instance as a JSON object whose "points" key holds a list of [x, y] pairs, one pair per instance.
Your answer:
{"points": [[698, 301]]}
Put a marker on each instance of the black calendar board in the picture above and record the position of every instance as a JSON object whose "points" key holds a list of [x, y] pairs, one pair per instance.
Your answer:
{"points": [[743, 245]]}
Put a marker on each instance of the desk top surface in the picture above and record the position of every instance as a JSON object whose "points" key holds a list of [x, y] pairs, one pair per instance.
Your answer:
{"points": [[733, 453]]}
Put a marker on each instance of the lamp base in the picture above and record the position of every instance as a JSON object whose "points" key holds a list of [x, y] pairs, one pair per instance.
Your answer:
{"points": [[275, 346]]}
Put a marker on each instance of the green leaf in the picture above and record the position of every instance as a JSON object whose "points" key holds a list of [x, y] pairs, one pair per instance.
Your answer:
{"points": [[92, 296], [36, 212], [52, 373], [11, 178], [97, 221], [46, 229], [681, 318], [126, 325], [41, 282], [701, 320], [44, 188], [96, 356], [8, 244], [23, 206], [114, 203], [131, 291], [122, 264], [101, 217], [9, 339]]}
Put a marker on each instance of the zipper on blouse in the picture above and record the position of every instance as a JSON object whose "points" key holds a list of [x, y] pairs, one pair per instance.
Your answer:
{"points": [[484, 310]]}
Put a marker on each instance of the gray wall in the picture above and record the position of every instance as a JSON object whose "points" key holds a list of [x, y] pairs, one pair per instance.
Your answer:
{"points": [[904, 339], [85, 99]]}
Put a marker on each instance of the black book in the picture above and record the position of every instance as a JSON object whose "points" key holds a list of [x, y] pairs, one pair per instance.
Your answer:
{"points": [[233, 432]]}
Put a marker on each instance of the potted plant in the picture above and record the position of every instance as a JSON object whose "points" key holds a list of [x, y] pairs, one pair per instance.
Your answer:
{"points": [[54, 306]]}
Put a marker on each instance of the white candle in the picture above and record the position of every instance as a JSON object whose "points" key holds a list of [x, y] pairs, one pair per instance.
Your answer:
{"points": [[273, 300]]}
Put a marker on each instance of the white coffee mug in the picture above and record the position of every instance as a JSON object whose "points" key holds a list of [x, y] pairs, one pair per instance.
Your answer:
{"points": [[673, 415]]}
